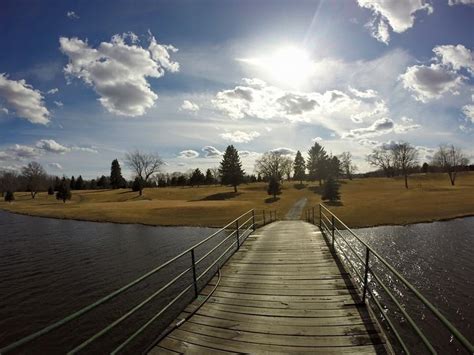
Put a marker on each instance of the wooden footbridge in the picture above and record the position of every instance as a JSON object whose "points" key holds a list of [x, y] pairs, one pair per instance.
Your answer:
{"points": [[259, 285]]}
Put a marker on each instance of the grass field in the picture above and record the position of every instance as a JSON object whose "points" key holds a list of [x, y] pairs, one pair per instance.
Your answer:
{"points": [[365, 202]]}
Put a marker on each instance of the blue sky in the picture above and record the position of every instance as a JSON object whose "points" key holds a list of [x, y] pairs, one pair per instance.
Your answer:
{"points": [[82, 83]]}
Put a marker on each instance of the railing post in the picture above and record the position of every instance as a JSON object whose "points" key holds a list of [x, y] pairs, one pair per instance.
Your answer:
{"points": [[193, 258], [320, 217], [313, 214], [264, 218], [366, 276], [238, 234], [253, 220], [333, 228]]}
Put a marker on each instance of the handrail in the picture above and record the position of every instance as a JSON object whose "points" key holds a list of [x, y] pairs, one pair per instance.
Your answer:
{"points": [[234, 224], [324, 212]]}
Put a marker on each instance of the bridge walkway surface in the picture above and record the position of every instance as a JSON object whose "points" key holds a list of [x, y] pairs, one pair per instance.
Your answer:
{"points": [[282, 292]]}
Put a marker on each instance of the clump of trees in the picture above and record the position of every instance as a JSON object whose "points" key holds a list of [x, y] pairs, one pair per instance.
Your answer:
{"points": [[35, 177], [230, 170], [347, 167], [273, 166], [395, 159]]}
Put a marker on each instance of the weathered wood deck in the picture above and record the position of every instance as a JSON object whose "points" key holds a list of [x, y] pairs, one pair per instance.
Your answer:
{"points": [[281, 292]]}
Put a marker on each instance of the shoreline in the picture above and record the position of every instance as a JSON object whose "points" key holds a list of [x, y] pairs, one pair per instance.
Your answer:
{"points": [[421, 221]]}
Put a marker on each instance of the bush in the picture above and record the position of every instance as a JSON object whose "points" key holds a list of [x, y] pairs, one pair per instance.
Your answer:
{"points": [[331, 190], [64, 191], [50, 190], [9, 196]]}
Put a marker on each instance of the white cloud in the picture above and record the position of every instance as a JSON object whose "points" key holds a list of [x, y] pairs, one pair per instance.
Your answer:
{"points": [[24, 99], [240, 136], [460, 2], [317, 139], [188, 154], [431, 82], [189, 106], [72, 15], [211, 152], [52, 91], [51, 146], [118, 70], [284, 151], [55, 166], [4, 110], [381, 126], [456, 57], [399, 15], [468, 111], [91, 149], [367, 94], [58, 103], [19, 151]]}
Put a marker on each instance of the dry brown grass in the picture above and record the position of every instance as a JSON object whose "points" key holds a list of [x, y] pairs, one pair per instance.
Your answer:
{"points": [[365, 202]]}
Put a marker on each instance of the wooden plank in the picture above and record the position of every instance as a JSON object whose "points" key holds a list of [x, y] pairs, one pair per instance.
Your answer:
{"points": [[179, 347], [281, 292]]}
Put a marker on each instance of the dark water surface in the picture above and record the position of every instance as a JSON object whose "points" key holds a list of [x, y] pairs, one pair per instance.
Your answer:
{"points": [[50, 268], [438, 259]]}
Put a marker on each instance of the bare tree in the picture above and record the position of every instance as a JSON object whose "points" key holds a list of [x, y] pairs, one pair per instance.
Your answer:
{"points": [[35, 177], [405, 157], [144, 165], [347, 167], [273, 165], [451, 159], [382, 158]]}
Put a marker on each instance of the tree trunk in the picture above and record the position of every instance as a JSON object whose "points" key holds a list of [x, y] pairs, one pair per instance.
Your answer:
{"points": [[33, 194], [235, 188], [320, 182], [406, 181], [452, 178], [141, 192]]}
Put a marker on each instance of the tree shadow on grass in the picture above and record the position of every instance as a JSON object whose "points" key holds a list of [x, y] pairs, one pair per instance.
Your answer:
{"points": [[299, 186], [316, 189], [221, 196], [272, 199]]}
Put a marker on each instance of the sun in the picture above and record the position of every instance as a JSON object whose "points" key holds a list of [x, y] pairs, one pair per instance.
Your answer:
{"points": [[288, 65]]}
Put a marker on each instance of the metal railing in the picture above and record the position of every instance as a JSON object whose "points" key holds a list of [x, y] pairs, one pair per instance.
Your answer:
{"points": [[239, 229], [331, 227]]}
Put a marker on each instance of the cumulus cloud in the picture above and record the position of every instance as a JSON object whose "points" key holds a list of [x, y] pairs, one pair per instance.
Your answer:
{"points": [[456, 57], [431, 82], [369, 93], [240, 136], [72, 15], [51, 146], [24, 100], [52, 91], [188, 154], [55, 166], [211, 152], [19, 151], [189, 106], [119, 70], [398, 15]]}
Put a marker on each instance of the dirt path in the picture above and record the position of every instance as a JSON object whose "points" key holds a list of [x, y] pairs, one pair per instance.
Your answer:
{"points": [[297, 209]]}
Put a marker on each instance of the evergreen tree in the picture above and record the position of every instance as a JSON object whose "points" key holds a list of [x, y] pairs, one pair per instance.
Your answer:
{"points": [[9, 196], [197, 178], [79, 185], [50, 190], [299, 167], [102, 183], [72, 184], [333, 167], [57, 183], [274, 187], [331, 190], [116, 179], [181, 180], [317, 163], [137, 184], [64, 191], [209, 177], [230, 170]]}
